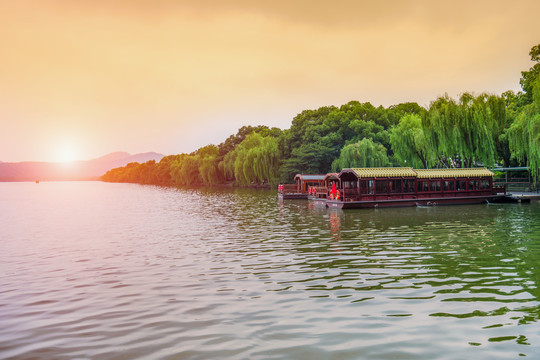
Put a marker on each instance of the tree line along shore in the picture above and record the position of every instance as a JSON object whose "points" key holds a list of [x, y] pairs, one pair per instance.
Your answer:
{"points": [[484, 129]]}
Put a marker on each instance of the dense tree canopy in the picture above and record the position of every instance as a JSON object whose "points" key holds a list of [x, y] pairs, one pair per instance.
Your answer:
{"points": [[473, 130]]}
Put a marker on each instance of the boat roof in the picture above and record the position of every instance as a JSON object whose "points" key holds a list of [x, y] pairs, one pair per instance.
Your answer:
{"points": [[331, 176], [381, 172], [310, 177], [452, 173], [417, 173]]}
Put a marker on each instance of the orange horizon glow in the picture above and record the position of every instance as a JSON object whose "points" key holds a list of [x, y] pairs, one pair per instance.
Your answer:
{"points": [[82, 79]]}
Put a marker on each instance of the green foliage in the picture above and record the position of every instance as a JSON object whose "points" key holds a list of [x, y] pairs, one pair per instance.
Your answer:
{"points": [[311, 158], [410, 145], [524, 134], [466, 130], [528, 78], [149, 172], [255, 160], [472, 130], [364, 153], [185, 170], [316, 137], [234, 140]]}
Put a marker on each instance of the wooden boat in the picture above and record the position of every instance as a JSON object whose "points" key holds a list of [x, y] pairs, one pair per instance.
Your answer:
{"points": [[393, 187], [302, 187], [320, 193]]}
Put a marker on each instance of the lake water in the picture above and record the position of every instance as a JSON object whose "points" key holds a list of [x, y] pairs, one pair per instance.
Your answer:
{"points": [[95, 270]]}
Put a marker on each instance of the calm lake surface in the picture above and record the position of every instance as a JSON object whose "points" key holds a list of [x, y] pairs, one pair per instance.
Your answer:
{"points": [[93, 270]]}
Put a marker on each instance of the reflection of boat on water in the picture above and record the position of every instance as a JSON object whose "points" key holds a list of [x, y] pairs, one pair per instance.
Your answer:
{"points": [[424, 217], [400, 187]]}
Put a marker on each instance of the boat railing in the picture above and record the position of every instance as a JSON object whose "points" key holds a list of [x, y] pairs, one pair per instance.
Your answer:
{"points": [[349, 194], [515, 184], [318, 191]]}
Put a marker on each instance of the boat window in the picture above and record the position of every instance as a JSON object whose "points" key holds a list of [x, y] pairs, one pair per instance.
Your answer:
{"points": [[371, 187], [449, 185], [484, 184], [366, 187], [408, 185], [461, 185], [476, 184], [381, 186], [435, 186], [395, 186]]}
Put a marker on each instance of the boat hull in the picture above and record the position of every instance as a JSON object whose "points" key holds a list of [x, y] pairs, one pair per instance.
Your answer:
{"points": [[410, 202], [292, 196]]}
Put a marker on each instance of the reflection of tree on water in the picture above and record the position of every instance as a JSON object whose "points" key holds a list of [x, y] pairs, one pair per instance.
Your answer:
{"points": [[473, 266], [476, 261]]}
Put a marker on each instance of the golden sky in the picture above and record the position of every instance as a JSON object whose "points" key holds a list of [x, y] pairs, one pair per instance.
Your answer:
{"points": [[82, 78]]}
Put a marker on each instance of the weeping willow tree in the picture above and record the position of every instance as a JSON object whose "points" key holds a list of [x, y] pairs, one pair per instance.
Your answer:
{"points": [[208, 170], [409, 143], [197, 168], [256, 159], [465, 130], [264, 160], [364, 153], [524, 134], [185, 170]]}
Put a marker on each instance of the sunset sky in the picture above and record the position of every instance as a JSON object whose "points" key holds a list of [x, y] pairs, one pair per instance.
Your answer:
{"points": [[80, 79]]}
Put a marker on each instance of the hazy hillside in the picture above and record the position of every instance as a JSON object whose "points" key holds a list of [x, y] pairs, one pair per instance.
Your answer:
{"points": [[77, 170]]}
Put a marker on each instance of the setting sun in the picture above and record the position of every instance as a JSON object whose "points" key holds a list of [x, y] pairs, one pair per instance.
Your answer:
{"points": [[65, 152]]}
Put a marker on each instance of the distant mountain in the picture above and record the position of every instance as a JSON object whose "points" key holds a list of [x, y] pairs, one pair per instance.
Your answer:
{"points": [[76, 170]]}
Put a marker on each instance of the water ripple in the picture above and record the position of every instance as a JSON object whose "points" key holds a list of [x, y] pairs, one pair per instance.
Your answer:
{"points": [[115, 271]]}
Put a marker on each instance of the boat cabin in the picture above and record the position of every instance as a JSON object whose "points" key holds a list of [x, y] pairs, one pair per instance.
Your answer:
{"points": [[322, 191], [304, 181], [377, 183], [302, 186], [453, 182]]}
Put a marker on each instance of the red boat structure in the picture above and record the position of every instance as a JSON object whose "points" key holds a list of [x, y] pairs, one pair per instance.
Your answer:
{"points": [[302, 187], [404, 186]]}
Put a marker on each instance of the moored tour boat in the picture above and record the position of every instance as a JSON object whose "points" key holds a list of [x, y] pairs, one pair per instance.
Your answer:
{"points": [[393, 187], [301, 189]]}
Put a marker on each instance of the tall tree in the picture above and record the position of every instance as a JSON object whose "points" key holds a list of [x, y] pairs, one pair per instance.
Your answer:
{"points": [[410, 145], [465, 131], [529, 77], [524, 133], [256, 159]]}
